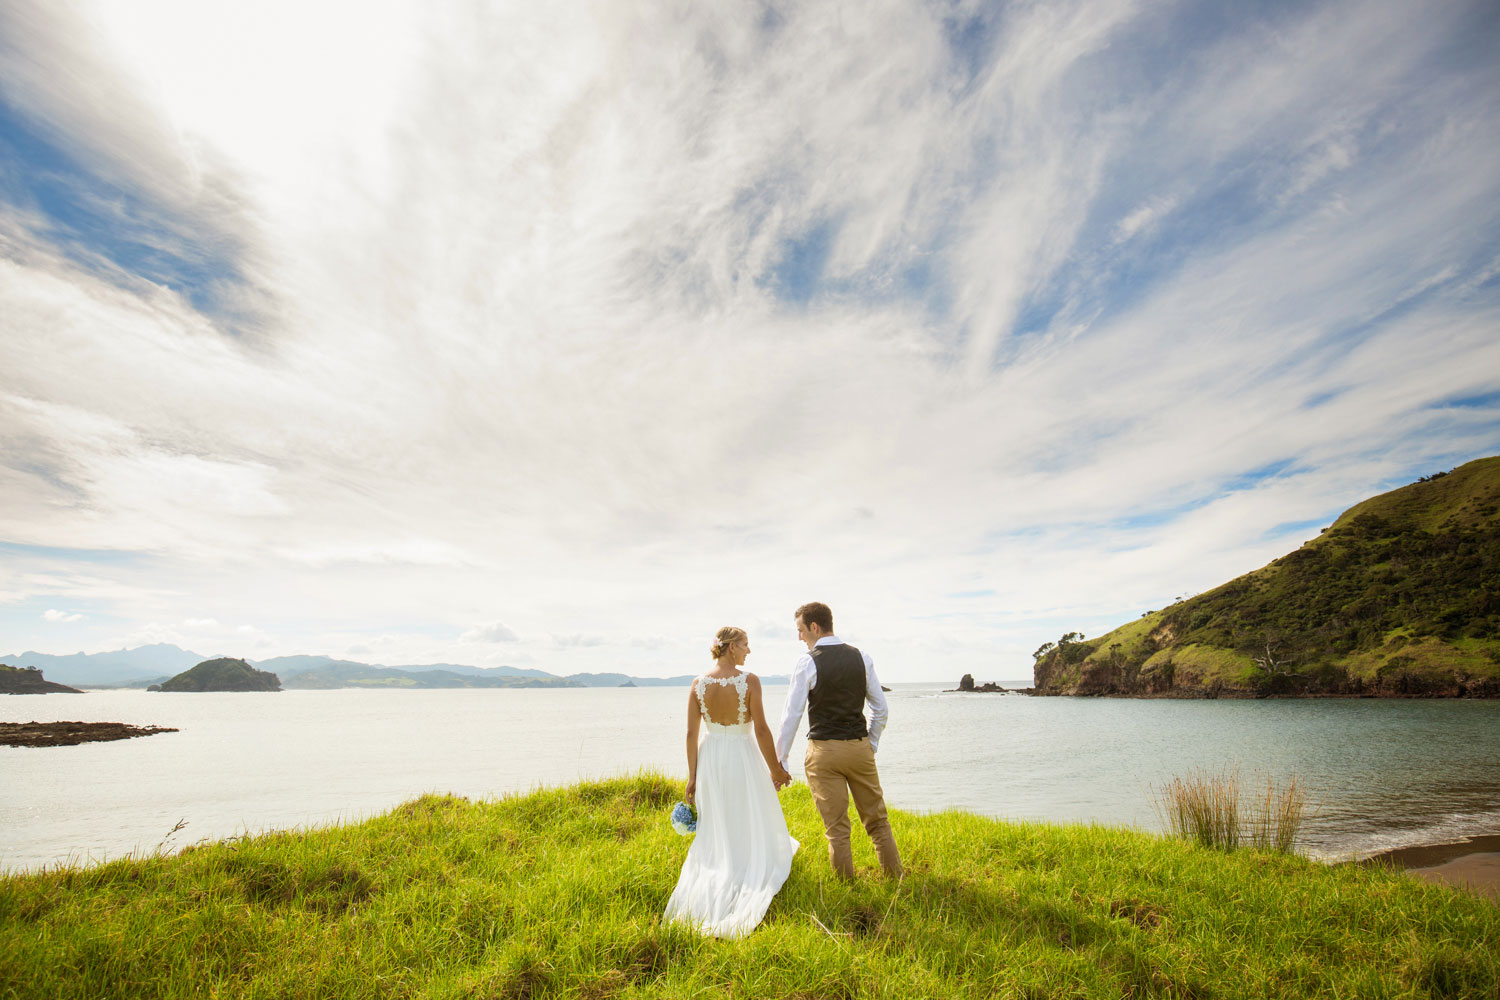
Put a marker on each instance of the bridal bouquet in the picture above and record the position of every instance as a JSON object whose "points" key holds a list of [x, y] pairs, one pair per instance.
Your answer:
{"points": [[684, 820]]}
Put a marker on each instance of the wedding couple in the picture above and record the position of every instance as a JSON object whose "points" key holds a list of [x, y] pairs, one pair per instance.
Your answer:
{"points": [[741, 853]]}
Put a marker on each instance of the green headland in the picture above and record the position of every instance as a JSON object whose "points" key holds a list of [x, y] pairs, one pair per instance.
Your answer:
{"points": [[559, 894], [223, 674], [1400, 597]]}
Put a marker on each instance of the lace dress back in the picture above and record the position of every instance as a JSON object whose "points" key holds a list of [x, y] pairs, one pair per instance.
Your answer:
{"points": [[742, 851], [740, 683]]}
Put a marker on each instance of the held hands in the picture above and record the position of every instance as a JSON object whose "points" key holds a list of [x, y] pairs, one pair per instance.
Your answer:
{"points": [[781, 777]]}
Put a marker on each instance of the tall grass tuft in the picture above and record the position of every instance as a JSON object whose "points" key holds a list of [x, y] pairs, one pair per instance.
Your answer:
{"points": [[1205, 807], [1280, 810]]}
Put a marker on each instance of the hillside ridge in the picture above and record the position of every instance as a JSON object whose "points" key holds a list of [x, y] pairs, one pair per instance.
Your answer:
{"points": [[1397, 598]]}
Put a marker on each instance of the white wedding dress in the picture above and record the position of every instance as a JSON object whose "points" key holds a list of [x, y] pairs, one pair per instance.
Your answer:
{"points": [[741, 853]]}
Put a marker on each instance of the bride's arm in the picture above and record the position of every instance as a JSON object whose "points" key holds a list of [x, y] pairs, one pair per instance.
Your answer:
{"points": [[692, 744], [779, 775]]}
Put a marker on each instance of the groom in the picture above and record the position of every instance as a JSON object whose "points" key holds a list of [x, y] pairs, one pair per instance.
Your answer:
{"points": [[832, 682]]}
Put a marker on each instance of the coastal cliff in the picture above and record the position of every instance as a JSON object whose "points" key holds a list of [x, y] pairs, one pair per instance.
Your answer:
{"points": [[223, 674], [1398, 598]]}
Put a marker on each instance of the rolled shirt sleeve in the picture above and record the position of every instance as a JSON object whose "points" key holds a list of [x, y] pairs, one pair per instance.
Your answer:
{"points": [[875, 696], [795, 705]]}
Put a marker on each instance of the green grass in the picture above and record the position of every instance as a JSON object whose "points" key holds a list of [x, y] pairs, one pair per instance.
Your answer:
{"points": [[559, 893]]}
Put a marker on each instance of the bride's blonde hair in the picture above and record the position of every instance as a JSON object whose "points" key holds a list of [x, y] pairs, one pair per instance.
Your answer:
{"points": [[724, 638]]}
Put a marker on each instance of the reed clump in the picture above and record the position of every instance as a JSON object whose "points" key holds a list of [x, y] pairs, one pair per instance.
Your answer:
{"points": [[1209, 808]]}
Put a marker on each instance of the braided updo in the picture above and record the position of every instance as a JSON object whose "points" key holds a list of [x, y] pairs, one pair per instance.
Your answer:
{"points": [[724, 638]]}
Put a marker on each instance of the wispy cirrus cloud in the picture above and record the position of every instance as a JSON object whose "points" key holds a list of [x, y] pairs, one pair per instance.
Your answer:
{"points": [[1074, 307]]}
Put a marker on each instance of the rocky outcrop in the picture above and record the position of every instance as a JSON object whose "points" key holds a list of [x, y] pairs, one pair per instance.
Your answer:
{"points": [[966, 684], [223, 674], [29, 680], [64, 734]]}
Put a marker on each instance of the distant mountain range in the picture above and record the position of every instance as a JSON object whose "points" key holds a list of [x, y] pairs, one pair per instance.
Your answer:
{"points": [[154, 664]]}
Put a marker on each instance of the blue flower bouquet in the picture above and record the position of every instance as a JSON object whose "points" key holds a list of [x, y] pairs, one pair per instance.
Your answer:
{"points": [[684, 819]]}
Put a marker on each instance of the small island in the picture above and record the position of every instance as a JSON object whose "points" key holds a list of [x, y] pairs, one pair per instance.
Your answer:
{"points": [[223, 674], [29, 680]]}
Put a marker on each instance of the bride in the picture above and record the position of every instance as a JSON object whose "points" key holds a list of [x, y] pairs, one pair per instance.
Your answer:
{"points": [[741, 853]]}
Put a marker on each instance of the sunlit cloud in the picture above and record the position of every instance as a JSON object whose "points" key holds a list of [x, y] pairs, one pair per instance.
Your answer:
{"points": [[1070, 308]]}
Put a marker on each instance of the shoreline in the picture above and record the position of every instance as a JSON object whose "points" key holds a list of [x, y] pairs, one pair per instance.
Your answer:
{"points": [[1472, 864]]}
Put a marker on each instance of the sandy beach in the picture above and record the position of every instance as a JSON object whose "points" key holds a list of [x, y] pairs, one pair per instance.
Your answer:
{"points": [[1473, 864]]}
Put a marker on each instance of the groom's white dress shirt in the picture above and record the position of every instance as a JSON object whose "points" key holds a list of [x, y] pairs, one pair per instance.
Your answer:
{"points": [[805, 678]]}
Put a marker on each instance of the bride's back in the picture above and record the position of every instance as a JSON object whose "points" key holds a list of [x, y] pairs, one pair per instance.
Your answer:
{"points": [[722, 698]]}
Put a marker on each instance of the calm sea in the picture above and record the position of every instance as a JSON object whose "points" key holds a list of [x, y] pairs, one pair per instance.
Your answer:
{"points": [[1381, 774]]}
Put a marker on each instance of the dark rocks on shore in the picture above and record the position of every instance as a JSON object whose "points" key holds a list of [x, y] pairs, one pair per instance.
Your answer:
{"points": [[29, 680], [65, 734]]}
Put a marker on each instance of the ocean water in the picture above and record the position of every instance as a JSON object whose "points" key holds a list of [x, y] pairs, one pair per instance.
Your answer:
{"points": [[1380, 774]]}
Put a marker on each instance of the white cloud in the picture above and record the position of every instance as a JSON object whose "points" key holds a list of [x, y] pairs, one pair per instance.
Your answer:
{"points": [[55, 616], [1144, 218], [531, 343], [577, 640], [492, 632]]}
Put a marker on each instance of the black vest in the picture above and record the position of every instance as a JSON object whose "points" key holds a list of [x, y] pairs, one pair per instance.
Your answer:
{"points": [[836, 704]]}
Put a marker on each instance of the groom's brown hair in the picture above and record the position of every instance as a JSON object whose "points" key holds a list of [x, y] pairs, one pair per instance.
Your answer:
{"points": [[817, 613]]}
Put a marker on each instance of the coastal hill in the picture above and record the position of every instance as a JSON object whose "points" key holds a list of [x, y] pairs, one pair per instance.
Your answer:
{"points": [[29, 680], [223, 674], [1400, 597]]}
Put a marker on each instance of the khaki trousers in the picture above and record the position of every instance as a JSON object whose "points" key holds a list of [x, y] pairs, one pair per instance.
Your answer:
{"points": [[835, 769]]}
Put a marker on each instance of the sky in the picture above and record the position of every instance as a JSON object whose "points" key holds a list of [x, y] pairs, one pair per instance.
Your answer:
{"points": [[558, 335]]}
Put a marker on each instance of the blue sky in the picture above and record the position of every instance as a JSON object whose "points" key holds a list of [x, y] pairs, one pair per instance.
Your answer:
{"points": [[500, 337]]}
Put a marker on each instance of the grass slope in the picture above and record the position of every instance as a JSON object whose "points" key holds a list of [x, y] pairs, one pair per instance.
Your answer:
{"points": [[1400, 596], [559, 893]]}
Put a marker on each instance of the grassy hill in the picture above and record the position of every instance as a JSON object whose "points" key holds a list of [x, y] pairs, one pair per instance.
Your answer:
{"points": [[1399, 597], [560, 893], [223, 674]]}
